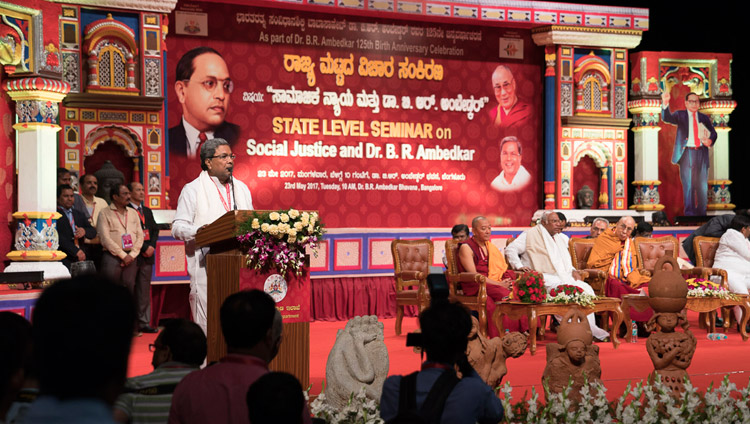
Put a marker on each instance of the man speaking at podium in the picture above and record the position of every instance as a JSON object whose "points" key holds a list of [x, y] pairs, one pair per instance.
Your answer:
{"points": [[202, 201]]}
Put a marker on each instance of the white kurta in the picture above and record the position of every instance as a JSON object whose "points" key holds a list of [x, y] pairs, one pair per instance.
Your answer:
{"points": [[515, 253], [519, 180], [733, 255], [199, 205]]}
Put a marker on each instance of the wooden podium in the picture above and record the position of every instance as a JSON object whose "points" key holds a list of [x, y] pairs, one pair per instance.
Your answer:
{"points": [[223, 264]]}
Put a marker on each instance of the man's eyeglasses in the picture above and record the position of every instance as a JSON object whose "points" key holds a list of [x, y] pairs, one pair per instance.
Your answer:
{"points": [[223, 157], [510, 155], [211, 83]]}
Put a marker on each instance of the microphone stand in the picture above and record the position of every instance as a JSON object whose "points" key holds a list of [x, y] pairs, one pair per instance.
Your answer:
{"points": [[231, 180]]}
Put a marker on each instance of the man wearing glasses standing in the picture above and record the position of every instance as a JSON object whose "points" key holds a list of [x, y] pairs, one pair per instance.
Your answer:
{"points": [[203, 88], [203, 200], [695, 134]]}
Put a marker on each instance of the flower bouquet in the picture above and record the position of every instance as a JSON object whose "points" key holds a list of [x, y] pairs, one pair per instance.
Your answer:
{"points": [[700, 287], [278, 240], [566, 293], [529, 288]]}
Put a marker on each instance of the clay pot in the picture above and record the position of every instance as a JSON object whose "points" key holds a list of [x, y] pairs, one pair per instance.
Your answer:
{"points": [[667, 290], [574, 326]]}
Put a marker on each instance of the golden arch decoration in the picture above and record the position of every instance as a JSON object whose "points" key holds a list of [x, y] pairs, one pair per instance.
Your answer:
{"points": [[125, 138], [597, 151]]}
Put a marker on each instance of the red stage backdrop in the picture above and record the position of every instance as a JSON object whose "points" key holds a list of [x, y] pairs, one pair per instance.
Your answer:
{"points": [[373, 122]]}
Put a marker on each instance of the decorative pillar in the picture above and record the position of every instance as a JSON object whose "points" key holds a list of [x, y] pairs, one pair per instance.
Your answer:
{"points": [[93, 61], [130, 66], [718, 170], [550, 155], [36, 239], [646, 113], [604, 189]]}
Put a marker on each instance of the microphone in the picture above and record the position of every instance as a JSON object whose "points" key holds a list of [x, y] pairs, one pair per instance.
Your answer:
{"points": [[231, 181]]}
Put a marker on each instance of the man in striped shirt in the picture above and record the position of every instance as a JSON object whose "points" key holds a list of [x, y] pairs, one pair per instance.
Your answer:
{"points": [[179, 350]]}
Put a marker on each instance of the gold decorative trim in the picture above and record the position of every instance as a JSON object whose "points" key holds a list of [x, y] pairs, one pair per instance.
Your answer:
{"points": [[646, 182], [36, 215], [587, 29], [33, 126], [49, 96], [720, 206], [36, 255], [719, 182], [647, 207]]}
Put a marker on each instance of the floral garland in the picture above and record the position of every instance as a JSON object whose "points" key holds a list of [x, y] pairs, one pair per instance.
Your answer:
{"points": [[566, 293], [529, 288], [700, 287], [279, 240]]}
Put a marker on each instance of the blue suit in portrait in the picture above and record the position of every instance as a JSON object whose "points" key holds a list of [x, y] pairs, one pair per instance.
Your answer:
{"points": [[693, 161]]}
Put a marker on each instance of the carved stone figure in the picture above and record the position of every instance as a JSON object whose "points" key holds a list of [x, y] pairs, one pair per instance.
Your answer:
{"points": [[488, 356], [358, 358], [585, 197], [574, 356], [108, 176], [671, 352]]}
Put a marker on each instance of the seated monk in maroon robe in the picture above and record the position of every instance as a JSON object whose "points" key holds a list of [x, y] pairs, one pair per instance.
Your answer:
{"points": [[479, 255], [614, 253]]}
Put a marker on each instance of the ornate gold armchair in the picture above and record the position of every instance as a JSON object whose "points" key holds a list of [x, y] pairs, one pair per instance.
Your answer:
{"points": [[580, 249], [476, 302], [411, 262]]}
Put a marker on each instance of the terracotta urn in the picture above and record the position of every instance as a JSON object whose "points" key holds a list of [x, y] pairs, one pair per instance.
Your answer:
{"points": [[667, 290]]}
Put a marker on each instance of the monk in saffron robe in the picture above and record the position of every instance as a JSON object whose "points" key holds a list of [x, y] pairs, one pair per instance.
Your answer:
{"points": [[479, 255], [510, 111], [614, 253]]}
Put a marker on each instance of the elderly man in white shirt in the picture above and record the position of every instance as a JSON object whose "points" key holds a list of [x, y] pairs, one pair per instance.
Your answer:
{"points": [[545, 249], [203, 200]]}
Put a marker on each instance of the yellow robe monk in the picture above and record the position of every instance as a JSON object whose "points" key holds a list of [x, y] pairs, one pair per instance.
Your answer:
{"points": [[617, 259]]}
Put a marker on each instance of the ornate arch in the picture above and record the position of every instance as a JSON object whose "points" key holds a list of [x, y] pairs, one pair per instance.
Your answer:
{"points": [[601, 156], [124, 137], [592, 78], [112, 50]]}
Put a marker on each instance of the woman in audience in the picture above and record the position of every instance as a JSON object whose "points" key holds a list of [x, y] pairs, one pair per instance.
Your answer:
{"points": [[733, 255]]}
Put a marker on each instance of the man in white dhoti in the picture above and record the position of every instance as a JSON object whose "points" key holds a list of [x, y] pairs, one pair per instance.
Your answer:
{"points": [[203, 200], [545, 249]]}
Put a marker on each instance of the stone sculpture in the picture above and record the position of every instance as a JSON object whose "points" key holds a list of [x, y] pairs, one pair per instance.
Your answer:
{"points": [[108, 176], [585, 197], [574, 356], [488, 356], [359, 358], [671, 352]]}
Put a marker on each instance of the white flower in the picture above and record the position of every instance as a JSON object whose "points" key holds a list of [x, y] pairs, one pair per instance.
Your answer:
{"points": [[264, 227], [255, 224], [274, 216], [291, 231], [293, 213], [284, 217], [298, 226], [273, 229]]}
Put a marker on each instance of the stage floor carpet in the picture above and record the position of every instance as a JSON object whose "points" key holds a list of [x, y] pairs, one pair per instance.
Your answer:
{"points": [[628, 363]]}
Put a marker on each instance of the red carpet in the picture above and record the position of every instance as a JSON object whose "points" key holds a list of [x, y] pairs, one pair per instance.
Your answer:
{"points": [[629, 362]]}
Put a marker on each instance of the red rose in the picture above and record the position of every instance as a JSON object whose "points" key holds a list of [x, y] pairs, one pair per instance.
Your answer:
{"points": [[522, 292]]}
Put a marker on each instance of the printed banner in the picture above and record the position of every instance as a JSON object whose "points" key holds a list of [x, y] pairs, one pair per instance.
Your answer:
{"points": [[372, 122], [292, 296]]}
